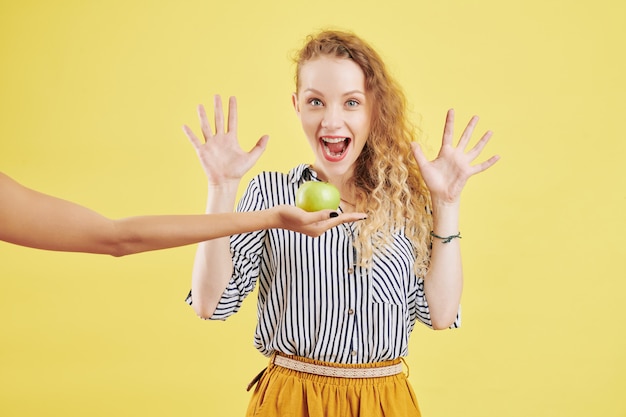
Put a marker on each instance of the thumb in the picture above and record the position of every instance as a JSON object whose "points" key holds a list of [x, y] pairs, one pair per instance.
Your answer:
{"points": [[259, 147]]}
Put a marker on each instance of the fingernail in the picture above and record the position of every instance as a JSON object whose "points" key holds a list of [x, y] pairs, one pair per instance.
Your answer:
{"points": [[334, 214]]}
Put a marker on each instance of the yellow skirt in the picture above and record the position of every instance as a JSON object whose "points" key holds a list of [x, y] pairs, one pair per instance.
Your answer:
{"points": [[283, 392]]}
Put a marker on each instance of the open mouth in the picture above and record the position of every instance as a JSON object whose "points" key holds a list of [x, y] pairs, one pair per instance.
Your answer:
{"points": [[334, 146]]}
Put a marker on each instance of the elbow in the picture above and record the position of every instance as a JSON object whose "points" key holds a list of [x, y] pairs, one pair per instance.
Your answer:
{"points": [[118, 253], [443, 322], [203, 310], [123, 241], [120, 249], [204, 314]]}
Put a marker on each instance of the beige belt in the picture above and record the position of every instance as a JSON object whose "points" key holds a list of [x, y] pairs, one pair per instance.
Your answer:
{"points": [[332, 371]]}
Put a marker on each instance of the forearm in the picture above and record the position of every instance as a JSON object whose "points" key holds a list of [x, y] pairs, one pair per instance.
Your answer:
{"points": [[444, 280], [146, 233], [213, 267]]}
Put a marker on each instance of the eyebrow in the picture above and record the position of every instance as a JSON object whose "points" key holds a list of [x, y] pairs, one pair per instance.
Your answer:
{"points": [[347, 93]]}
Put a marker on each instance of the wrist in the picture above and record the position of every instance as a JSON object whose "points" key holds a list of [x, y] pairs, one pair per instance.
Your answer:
{"points": [[272, 218], [445, 211], [446, 239], [224, 187], [443, 205], [221, 197], [445, 217]]}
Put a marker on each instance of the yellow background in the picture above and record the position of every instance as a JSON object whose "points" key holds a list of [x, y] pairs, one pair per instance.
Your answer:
{"points": [[93, 96]]}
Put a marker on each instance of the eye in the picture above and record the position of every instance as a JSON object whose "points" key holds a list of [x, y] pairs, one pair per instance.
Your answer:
{"points": [[352, 103], [315, 102]]}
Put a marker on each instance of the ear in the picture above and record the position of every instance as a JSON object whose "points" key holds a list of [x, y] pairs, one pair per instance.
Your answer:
{"points": [[296, 105]]}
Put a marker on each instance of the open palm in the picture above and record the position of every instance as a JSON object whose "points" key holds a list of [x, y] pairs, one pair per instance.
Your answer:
{"points": [[221, 157], [448, 173]]}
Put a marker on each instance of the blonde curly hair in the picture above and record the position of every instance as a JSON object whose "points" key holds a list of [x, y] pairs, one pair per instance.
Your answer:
{"points": [[390, 187]]}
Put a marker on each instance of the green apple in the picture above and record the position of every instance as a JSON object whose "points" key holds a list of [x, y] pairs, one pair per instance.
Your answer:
{"points": [[317, 195]]}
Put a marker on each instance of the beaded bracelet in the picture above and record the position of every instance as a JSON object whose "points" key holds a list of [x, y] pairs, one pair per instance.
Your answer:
{"points": [[446, 239]]}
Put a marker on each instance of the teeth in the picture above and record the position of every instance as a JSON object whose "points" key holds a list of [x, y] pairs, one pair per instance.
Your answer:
{"points": [[328, 141], [333, 140]]}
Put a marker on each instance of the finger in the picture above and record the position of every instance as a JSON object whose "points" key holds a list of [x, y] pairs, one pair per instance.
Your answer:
{"points": [[322, 217], [485, 165], [477, 149], [342, 218], [467, 133], [419, 155], [351, 217], [192, 137], [204, 123], [448, 129], [219, 114], [324, 223], [232, 115], [336, 217]]}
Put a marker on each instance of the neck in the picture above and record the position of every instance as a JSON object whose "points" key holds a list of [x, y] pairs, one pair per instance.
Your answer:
{"points": [[342, 181]]}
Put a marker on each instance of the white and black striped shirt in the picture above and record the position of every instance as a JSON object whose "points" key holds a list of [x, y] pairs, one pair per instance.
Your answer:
{"points": [[314, 300]]}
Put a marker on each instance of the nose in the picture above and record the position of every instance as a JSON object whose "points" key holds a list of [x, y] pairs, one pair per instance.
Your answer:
{"points": [[332, 118]]}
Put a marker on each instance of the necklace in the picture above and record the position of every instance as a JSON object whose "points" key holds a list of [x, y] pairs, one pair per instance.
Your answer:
{"points": [[347, 202]]}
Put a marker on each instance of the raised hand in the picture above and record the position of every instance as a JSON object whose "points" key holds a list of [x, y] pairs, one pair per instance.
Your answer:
{"points": [[219, 152], [448, 173]]}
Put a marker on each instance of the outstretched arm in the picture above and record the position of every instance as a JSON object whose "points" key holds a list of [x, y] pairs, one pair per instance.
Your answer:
{"points": [[445, 178], [37, 220]]}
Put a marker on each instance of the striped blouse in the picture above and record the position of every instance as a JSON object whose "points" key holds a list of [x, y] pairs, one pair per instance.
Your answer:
{"points": [[314, 300]]}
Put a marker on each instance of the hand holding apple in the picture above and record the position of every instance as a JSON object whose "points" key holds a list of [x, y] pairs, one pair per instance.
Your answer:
{"points": [[317, 195]]}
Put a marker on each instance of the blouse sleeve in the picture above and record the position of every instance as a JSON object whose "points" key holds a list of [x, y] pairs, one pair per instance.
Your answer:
{"points": [[246, 250]]}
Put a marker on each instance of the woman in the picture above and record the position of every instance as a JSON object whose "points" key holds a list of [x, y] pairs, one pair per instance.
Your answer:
{"points": [[335, 312], [37, 220]]}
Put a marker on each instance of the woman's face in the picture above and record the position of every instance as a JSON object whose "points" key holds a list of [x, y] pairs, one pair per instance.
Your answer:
{"points": [[335, 113]]}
